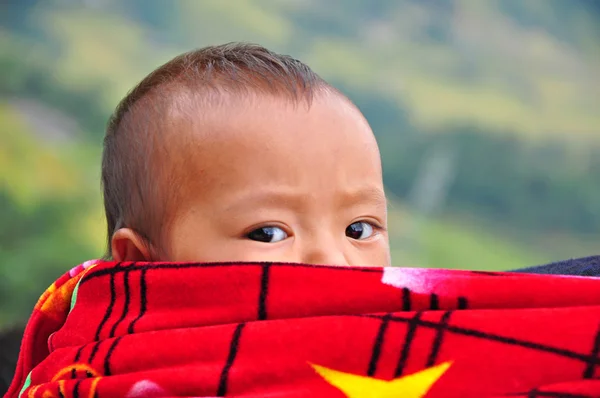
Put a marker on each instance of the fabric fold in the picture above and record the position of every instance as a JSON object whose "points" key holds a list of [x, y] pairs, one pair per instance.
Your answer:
{"points": [[109, 329]]}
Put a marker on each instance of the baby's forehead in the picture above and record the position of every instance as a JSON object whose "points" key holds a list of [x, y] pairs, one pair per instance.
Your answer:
{"points": [[220, 106], [220, 154], [231, 125], [194, 125]]}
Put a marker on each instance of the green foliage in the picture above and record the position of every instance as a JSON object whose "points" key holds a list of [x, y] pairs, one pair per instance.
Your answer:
{"points": [[37, 247], [539, 186], [24, 78], [44, 211]]}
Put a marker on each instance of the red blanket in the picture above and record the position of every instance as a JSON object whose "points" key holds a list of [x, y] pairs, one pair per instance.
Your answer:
{"points": [[290, 330]]}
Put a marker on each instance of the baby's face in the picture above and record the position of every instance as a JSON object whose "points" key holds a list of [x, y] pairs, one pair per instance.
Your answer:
{"points": [[275, 182]]}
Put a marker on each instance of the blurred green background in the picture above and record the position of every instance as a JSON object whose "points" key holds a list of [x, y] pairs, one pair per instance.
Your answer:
{"points": [[487, 113]]}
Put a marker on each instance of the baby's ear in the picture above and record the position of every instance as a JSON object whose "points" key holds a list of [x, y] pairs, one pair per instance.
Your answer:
{"points": [[127, 245]]}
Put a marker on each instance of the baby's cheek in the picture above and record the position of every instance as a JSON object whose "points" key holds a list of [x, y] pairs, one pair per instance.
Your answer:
{"points": [[380, 256], [250, 251]]}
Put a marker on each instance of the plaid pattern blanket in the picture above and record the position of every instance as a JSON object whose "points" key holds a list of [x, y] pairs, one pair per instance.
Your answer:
{"points": [[290, 330]]}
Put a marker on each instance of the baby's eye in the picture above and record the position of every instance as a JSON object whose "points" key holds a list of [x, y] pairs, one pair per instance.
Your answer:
{"points": [[267, 234], [359, 230]]}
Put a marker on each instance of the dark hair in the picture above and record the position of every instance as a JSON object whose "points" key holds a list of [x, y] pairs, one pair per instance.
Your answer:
{"points": [[136, 187]]}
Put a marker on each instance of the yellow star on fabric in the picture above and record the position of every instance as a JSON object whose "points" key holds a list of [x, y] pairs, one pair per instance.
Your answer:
{"points": [[415, 385]]}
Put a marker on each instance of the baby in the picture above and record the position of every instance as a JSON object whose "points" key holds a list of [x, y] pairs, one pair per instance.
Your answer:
{"points": [[236, 153]]}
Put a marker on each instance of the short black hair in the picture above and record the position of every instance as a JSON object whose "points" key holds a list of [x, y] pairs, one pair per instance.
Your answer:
{"points": [[136, 187]]}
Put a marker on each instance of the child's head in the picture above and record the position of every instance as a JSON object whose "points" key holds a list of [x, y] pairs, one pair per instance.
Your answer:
{"points": [[235, 153]]}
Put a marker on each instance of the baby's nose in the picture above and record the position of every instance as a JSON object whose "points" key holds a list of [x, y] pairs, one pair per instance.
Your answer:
{"points": [[323, 254]]}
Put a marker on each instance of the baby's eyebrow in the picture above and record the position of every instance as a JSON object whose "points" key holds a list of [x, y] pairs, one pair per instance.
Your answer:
{"points": [[366, 195], [256, 198], [284, 198]]}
